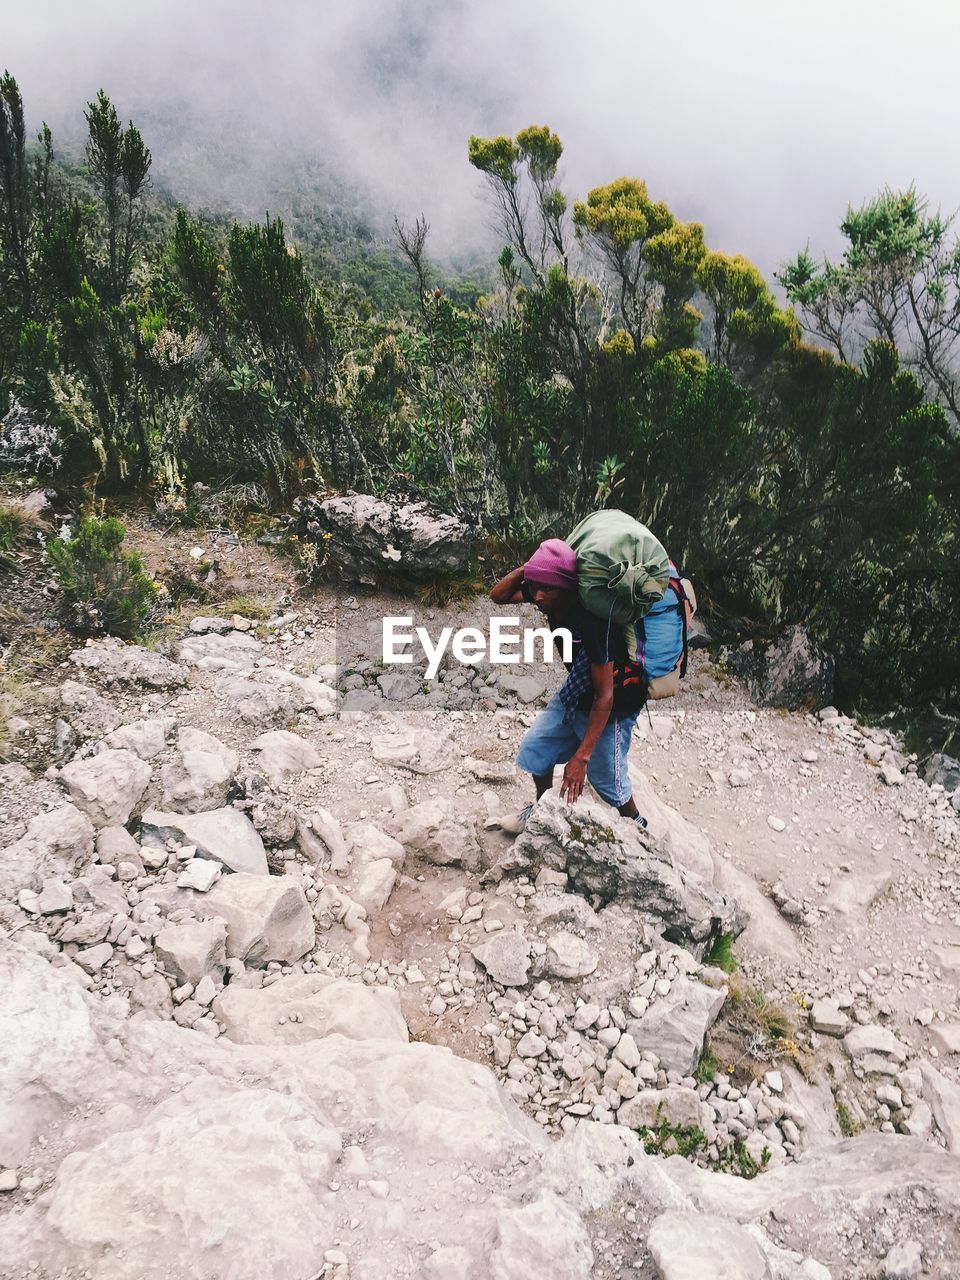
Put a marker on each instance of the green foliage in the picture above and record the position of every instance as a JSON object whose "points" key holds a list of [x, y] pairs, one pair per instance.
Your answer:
{"points": [[708, 1066], [668, 1139], [845, 1119], [104, 587], [720, 955], [736, 1159]]}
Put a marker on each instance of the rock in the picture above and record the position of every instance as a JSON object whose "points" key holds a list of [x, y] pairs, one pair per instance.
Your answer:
{"points": [[890, 774], [9, 1180], [850, 894], [203, 626], [527, 688], [267, 917], [946, 1036], [108, 787], [49, 1049], [776, 824], [398, 686], [676, 1105], [199, 779], [372, 536], [613, 860], [697, 1246], [284, 755], [145, 738], [506, 958], [944, 770], [828, 1018], [943, 1097], [920, 1120], [543, 1238], [793, 671], [116, 844], [233, 652], [56, 843], [531, 1045], [374, 885], [86, 711], [226, 835], [367, 843], [54, 897], [491, 771], [192, 950], [434, 831], [675, 1027], [200, 874], [569, 956], [321, 823], [92, 959], [874, 1039], [305, 1007], [904, 1261], [118, 663], [256, 703]]}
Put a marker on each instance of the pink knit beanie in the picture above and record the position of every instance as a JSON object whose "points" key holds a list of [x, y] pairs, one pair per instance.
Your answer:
{"points": [[553, 564]]}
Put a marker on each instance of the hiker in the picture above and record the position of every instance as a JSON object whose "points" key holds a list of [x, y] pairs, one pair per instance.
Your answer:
{"points": [[588, 724]]}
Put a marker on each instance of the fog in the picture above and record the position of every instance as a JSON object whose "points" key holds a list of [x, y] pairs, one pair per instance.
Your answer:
{"points": [[761, 120]]}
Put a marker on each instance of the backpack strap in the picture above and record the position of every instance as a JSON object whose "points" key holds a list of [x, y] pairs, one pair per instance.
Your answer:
{"points": [[678, 590]]}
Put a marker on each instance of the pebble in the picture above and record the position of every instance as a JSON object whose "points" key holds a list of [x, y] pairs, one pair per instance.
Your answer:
{"points": [[776, 824], [8, 1180]]}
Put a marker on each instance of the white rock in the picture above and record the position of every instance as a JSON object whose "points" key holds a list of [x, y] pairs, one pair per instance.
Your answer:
{"points": [[267, 917], [56, 843], [206, 990], [311, 1007], [54, 897], [284, 755], [92, 959], [874, 1039], [694, 1246], [543, 1238], [200, 777], [108, 787], [145, 738], [828, 1018], [776, 824], [200, 874], [904, 1261], [569, 956], [193, 950], [506, 958], [226, 835]]}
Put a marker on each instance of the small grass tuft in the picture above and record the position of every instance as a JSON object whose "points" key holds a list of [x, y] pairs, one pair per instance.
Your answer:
{"points": [[18, 532], [248, 608], [666, 1139], [708, 1066], [720, 955]]}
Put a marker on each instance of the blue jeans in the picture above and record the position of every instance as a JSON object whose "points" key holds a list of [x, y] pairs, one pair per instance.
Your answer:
{"points": [[556, 734]]}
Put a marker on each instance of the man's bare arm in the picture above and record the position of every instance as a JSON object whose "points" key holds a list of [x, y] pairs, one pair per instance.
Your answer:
{"points": [[575, 773], [507, 590]]}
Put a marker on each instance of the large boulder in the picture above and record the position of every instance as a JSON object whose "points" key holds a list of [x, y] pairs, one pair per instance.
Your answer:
{"points": [[370, 536], [612, 860], [700, 1246], [226, 835], [267, 917], [201, 775], [233, 653], [145, 738], [87, 712], [114, 662], [305, 1007], [675, 1027], [944, 770], [791, 671], [55, 843], [48, 1048], [434, 831], [108, 787], [191, 950], [284, 755]]}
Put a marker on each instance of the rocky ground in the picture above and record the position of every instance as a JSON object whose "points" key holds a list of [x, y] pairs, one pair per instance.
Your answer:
{"points": [[281, 998]]}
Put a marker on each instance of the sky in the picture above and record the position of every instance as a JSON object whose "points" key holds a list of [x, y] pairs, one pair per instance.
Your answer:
{"points": [[762, 119]]}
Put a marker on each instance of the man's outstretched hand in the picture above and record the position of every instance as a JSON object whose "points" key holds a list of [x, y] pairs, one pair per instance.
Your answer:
{"points": [[574, 776]]}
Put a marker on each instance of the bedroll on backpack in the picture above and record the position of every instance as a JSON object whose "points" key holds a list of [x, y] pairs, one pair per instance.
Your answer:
{"points": [[623, 569]]}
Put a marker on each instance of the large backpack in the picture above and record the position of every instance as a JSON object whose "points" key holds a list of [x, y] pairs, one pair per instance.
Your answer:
{"points": [[665, 684], [623, 569]]}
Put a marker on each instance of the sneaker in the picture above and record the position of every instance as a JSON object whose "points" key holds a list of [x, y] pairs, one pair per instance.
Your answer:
{"points": [[640, 821], [513, 823]]}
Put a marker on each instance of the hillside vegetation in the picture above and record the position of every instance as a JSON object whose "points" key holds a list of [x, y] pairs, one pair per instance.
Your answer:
{"points": [[613, 359]]}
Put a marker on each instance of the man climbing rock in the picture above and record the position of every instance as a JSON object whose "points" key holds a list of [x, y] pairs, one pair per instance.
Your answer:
{"points": [[588, 724]]}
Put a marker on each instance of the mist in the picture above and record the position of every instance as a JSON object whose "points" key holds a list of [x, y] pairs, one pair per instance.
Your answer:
{"points": [[762, 121]]}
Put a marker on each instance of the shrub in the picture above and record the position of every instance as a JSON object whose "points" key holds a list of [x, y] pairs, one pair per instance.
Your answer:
{"points": [[104, 587], [27, 443]]}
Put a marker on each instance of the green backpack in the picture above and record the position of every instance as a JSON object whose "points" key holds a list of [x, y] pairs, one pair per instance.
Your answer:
{"points": [[622, 567]]}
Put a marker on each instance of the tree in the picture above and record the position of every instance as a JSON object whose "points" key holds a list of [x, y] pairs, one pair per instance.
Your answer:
{"points": [[120, 163], [898, 280]]}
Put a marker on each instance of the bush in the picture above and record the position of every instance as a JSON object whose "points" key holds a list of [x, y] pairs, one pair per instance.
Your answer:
{"points": [[27, 443], [104, 587]]}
